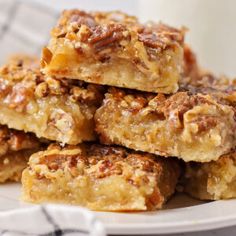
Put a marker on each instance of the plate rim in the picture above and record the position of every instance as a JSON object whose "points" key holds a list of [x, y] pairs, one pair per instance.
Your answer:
{"points": [[225, 216], [139, 229], [187, 226]]}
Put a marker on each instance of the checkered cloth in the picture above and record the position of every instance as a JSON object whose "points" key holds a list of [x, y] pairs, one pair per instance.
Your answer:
{"points": [[24, 28], [49, 220]]}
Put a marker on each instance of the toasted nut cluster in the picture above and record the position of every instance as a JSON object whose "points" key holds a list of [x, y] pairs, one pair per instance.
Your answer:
{"points": [[21, 81], [13, 140], [113, 30], [221, 88]]}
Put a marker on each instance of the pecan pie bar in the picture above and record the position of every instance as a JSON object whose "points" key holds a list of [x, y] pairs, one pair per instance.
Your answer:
{"points": [[115, 49], [213, 180], [102, 178], [15, 149], [222, 88], [191, 127], [57, 110]]}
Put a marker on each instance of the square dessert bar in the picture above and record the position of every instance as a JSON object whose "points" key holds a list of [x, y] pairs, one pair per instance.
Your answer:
{"points": [[112, 48], [15, 149], [213, 180], [102, 178], [56, 110], [223, 89], [191, 127]]}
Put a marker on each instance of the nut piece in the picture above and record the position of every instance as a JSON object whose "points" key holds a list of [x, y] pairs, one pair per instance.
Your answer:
{"points": [[42, 90]]}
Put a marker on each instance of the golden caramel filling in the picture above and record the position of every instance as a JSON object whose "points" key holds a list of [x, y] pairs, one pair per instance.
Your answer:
{"points": [[213, 180]]}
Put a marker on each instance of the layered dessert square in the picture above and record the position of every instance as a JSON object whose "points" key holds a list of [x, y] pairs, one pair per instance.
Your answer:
{"points": [[191, 127], [112, 48], [223, 89], [15, 149], [102, 178], [56, 110], [213, 180]]}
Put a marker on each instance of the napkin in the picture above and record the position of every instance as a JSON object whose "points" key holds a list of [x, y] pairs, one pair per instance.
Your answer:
{"points": [[50, 220]]}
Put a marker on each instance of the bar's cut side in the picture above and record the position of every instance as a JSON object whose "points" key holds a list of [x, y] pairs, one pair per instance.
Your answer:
{"points": [[15, 149], [191, 127], [115, 49], [102, 178], [57, 110], [213, 180]]}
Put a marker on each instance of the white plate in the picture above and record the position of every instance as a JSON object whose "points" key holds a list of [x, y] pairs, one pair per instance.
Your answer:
{"points": [[182, 214]]}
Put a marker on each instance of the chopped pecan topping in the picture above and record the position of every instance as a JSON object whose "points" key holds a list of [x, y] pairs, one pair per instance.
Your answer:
{"points": [[21, 82], [197, 82], [81, 18], [115, 30], [180, 103], [106, 161], [55, 161], [19, 97], [14, 140], [106, 36], [170, 107]]}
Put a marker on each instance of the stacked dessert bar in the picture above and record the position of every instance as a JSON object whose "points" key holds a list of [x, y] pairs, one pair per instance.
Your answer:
{"points": [[125, 113], [215, 179]]}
